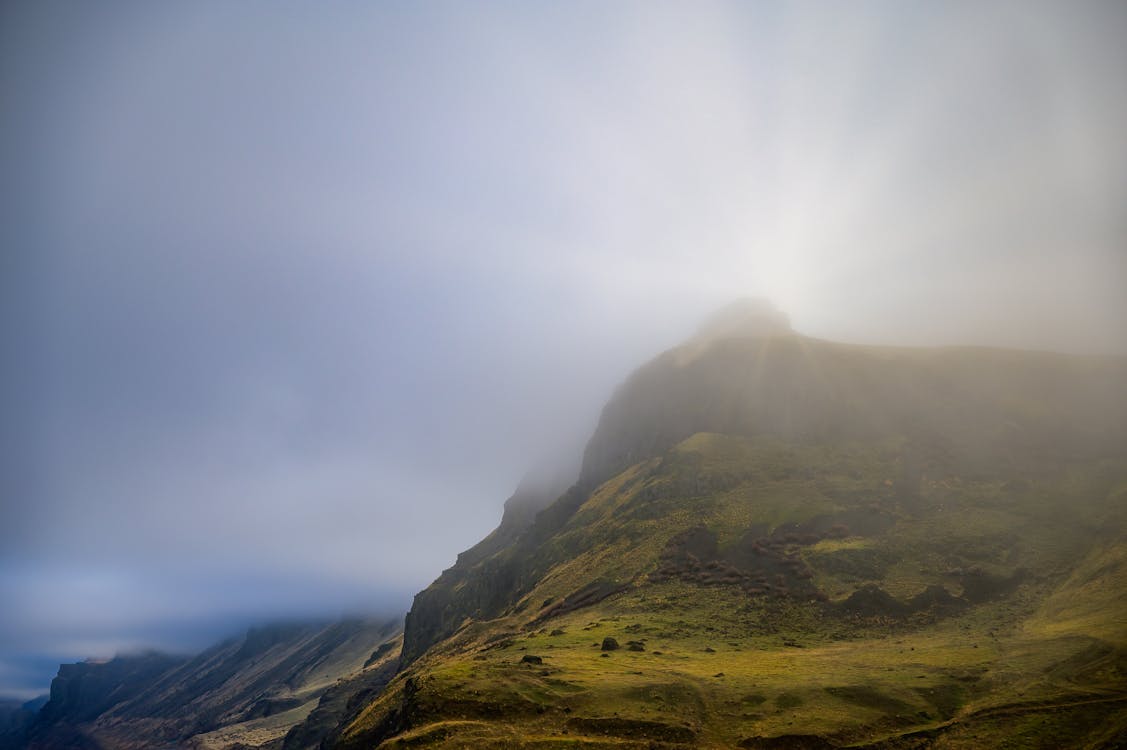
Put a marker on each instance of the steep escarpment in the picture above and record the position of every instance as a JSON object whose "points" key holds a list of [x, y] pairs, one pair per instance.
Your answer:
{"points": [[756, 592], [993, 404], [484, 582], [83, 691], [250, 689], [955, 410], [343, 701], [776, 541]]}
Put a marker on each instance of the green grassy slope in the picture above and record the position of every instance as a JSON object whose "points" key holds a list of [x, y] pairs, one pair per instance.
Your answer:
{"points": [[768, 592], [955, 412]]}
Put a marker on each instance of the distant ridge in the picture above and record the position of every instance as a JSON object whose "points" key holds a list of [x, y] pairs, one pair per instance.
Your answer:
{"points": [[255, 687]]}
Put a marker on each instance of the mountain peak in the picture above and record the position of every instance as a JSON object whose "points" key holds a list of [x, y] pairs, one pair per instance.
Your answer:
{"points": [[752, 317], [753, 492]]}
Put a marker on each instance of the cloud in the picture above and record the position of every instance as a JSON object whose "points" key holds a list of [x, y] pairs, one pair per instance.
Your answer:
{"points": [[298, 296]]}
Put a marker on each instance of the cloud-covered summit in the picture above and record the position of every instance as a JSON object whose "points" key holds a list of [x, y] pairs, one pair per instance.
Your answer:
{"points": [[296, 295]]}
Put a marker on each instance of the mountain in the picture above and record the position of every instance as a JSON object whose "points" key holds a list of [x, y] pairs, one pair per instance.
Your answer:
{"points": [[777, 541], [773, 541], [16, 716], [250, 690]]}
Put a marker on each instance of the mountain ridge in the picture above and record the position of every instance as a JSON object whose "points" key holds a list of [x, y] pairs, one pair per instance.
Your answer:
{"points": [[803, 483], [255, 686], [772, 541], [660, 404]]}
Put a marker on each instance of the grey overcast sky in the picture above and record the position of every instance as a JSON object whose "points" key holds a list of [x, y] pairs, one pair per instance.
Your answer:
{"points": [[293, 293]]}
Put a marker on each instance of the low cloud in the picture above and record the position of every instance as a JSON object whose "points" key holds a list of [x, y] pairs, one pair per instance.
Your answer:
{"points": [[297, 297]]}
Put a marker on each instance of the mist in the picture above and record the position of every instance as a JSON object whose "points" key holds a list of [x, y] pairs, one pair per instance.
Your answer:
{"points": [[295, 296]]}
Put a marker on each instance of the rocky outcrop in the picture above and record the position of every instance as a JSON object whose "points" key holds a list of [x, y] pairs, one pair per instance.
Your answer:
{"points": [[342, 702], [156, 699], [534, 493], [480, 587], [81, 692], [746, 373]]}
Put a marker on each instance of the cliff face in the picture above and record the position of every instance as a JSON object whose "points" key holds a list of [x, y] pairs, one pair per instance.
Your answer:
{"points": [[796, 388], [487, 577], [786, 501], [83, 691], [267, 680], [964, 409], [776, 541]]}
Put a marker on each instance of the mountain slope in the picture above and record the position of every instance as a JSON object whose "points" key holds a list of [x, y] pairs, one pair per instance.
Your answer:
{"points": [[251, 689], [796, 543], [1005, 413], [16, 716]]}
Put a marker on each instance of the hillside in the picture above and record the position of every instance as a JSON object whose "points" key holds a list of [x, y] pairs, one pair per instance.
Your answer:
{"points": [[16, 715], [773, 542], [251, 690], [777, 541]]}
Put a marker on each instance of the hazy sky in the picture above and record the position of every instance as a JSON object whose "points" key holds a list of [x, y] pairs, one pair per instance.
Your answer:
{"points": [[293, 293]]}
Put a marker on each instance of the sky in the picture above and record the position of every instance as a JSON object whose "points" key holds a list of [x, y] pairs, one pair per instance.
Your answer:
{"points": [[293, 294]]}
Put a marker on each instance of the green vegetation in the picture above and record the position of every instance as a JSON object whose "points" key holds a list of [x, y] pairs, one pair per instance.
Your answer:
{"points": [[779, 594], [774, 542]]}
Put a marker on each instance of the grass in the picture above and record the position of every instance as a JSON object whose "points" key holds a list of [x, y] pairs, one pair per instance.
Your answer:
{"points": [[867, 686], [720, 666]]}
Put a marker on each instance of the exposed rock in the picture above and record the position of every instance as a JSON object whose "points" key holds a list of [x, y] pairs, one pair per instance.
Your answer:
{"points": [[381, 652], [339, 704], [592, 593], [870, 601], [81, 692], [269, 707], [634, 729], [938, 597], [748, 375], [761, 563], [157, 700], [488, 586], [980, 586]]}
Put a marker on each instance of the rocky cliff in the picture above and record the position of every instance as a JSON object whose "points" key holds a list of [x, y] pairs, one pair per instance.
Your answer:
{"points": [[780, 542], [254, 688], [746, 373]]}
